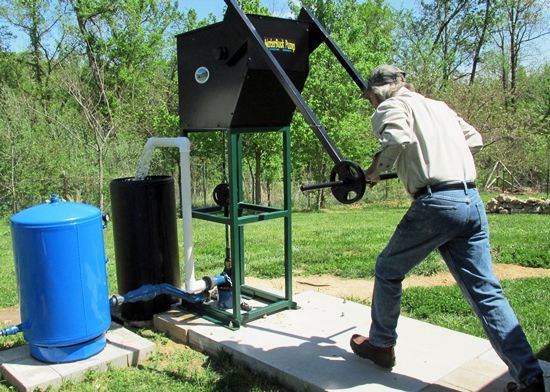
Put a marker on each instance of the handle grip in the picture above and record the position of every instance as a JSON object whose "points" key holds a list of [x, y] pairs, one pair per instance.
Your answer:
{"points": [[388, 176]]}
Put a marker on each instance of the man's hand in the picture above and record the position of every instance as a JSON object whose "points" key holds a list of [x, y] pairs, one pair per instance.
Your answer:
{"points": [[371, 175]]}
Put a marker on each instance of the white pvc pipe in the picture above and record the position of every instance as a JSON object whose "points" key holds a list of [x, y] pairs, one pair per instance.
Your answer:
{"points": [[191, 285]]}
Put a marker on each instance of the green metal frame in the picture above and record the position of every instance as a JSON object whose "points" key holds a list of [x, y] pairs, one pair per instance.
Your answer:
{"points": [[238, 217]]}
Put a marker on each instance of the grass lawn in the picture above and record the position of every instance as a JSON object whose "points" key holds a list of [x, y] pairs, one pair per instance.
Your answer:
{"points": [[445, 306], [340, 241]]}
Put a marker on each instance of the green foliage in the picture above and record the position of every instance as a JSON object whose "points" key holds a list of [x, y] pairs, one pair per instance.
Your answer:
{"points": [[445, 306], [253, 7], [5, 37], [77, 106], [8, 286]]}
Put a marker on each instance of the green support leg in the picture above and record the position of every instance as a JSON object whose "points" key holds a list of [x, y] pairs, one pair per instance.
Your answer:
{"points": [[287, 185], [236, 221], [235, 176], [240, 229]]}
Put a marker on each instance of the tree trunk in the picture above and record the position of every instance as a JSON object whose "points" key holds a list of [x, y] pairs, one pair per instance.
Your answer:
{"points": [[258, 178], [93, 61], [503, 67], [513, 13], [13, 177], [35, 43], [204, 174], [101, 175], [252, 179], [481, 40], [268, 189]]}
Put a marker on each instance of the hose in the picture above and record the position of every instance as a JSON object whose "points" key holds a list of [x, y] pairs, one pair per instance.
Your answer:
{"points": [[11, 330]]}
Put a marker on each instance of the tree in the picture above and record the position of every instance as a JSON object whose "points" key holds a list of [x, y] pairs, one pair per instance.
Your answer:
{"points": [[5, 37], [30, 155], [444, 39], [123, 86], [253, 7], [521, 22], [482, 31], [39, 20], [10, 141]]}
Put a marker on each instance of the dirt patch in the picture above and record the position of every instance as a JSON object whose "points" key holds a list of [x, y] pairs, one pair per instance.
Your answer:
{"points": [[362, 288], [10, 316]]}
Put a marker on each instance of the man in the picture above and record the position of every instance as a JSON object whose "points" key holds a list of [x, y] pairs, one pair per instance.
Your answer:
{"points": [[431, 148]]}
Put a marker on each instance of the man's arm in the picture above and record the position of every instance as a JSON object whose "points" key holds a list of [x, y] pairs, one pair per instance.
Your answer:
{"points": [[391, 126], [472, 136]]}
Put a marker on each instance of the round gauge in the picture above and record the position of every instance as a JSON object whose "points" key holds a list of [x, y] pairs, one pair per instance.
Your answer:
{"points": [[202, 74]]}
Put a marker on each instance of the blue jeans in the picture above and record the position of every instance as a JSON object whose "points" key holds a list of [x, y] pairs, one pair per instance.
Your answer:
{"points": [[454, 222]]}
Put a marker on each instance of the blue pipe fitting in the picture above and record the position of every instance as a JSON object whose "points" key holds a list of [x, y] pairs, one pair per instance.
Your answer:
{"points": [[11, 330], [222, 279]]}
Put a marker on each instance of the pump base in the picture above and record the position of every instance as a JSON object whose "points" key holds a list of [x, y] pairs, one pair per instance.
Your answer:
{"points": [[75, 352]]}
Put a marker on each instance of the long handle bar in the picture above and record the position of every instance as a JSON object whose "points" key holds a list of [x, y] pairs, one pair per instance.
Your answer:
{"points": [[330, 184]]}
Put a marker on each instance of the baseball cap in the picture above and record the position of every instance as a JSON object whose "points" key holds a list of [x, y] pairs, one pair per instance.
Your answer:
{"points": [[383, 74]]}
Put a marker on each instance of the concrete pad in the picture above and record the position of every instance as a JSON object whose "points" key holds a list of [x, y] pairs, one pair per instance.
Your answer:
{"points": [[138, 348], [170, 322], [308, 349], [26, 374], [123, 349]]}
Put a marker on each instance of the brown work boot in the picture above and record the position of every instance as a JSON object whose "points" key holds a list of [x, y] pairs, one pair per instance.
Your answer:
{"points": [[536, 386], [382, 356]]}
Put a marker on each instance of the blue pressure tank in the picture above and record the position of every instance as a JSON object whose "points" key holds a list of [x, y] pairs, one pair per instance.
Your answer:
{"points": [[62, 279]]}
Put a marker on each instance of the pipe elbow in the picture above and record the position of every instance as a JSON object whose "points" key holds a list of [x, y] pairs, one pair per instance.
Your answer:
{"points": [[213, 281], [180, 142], [195, 286], [116, 300]]}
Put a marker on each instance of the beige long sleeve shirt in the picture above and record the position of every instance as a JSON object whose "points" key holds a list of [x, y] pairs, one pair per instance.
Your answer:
{"points": [[426, 141]]}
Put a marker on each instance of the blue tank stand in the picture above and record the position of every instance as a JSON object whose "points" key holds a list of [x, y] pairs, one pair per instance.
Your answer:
{"points": [[75, 352]]}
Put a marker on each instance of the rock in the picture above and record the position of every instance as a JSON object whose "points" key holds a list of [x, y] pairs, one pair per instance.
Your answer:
{"points": [[505, 204]]}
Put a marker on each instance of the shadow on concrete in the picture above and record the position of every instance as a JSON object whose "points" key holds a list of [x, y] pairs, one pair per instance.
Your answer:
{"points": [[319, 364]]}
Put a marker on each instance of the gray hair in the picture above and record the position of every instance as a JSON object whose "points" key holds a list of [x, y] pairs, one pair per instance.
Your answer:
{"points": [[386, 91]]}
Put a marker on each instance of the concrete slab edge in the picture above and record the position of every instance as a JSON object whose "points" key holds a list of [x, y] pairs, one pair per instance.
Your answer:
{"points": [[165, 322], [206, 345]]}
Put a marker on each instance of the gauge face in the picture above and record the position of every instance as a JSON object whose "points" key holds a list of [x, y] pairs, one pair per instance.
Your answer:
{"points": [[202, 74]]}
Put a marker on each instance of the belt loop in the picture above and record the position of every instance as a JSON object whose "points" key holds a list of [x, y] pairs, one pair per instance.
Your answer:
{"points": [[429, 190], [465, 187]]}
